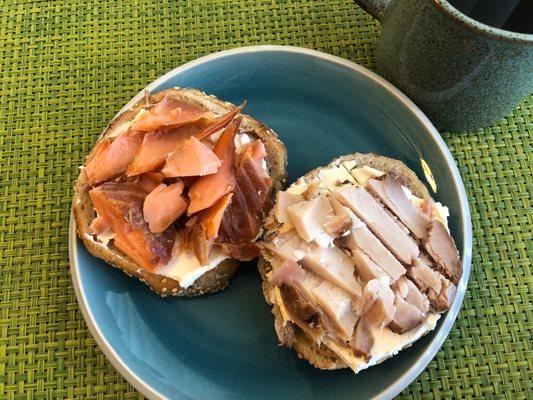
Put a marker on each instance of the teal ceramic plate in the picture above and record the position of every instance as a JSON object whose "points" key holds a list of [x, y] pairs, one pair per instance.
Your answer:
{"points": [[224, 345]]}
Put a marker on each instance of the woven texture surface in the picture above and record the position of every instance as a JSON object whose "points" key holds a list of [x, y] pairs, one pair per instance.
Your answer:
{"points": [[68, 66]]}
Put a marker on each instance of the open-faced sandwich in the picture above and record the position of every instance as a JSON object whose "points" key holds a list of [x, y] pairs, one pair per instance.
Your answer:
{"points": [[357, 262], [175, 190]]}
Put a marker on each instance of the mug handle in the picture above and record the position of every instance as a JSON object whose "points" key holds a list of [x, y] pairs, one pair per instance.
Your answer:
{"points": [[376, 8]]}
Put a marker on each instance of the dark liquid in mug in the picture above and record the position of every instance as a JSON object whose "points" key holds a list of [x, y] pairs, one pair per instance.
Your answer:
{"points": [[511, 15]]}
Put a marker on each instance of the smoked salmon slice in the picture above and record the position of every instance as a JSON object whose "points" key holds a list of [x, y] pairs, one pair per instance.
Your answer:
{"points": [[169, 112], [156, 145], [111, 157], [99, 225], [242, 251], [188, 180], [208, 189], [253, 151], [219, 122], [242, 220], [152, 151], [253, 179], [163, 206], [212, 217], [120, 204], [191, 158], [239, 224], [205, 229], [148, 181]]}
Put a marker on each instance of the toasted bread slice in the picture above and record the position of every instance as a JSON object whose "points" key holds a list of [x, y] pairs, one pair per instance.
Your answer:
{"points": [[217, 278], [292, 335]]}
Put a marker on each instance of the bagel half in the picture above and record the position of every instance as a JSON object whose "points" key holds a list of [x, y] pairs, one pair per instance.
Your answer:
{"points": [[215, 279], [318, 350]]}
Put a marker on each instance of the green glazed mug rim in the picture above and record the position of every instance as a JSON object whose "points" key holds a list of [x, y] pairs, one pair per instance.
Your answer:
{"points": [[480, 28]]}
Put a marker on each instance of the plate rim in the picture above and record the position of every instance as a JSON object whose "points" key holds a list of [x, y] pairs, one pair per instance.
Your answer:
{"points": [[432, 348]]}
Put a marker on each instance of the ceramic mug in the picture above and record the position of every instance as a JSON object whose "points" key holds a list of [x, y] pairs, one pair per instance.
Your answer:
{"points": [[463, 74]]}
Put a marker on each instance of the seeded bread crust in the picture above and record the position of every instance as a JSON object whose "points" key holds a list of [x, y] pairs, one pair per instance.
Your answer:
{"points": [[216, 279], [290, 334]]}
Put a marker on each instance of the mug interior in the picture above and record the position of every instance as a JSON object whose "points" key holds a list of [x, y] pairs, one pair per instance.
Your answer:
{"points": [[476, 26]]}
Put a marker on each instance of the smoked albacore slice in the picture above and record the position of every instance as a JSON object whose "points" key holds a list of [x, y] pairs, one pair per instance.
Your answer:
{"points": [[406, 316], [309, 216], [444, 299], [297, 304], [379, 222], [372, 259], [435, 237], [408, 290], [307, 314], [376, 304], [390, 192], [296, 287], [361, 239], [441, 247], [285, 199], [365, 268], [338, 305], [338, 225], [332, 264], [362, 340], [312, 296], [411, 306], [121, 205], [287, 272], [439, 290], [287, 245]]}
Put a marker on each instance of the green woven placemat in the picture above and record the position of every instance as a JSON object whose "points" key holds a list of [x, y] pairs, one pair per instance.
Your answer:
{"points": [[66, 69]]}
